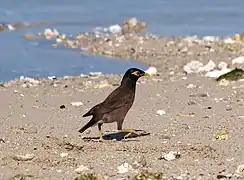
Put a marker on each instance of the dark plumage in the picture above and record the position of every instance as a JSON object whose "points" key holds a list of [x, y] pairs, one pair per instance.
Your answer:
{"points": [[115, 107]]}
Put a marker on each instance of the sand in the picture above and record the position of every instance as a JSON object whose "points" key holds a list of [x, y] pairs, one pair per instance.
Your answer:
{"points": [[201, 120]]}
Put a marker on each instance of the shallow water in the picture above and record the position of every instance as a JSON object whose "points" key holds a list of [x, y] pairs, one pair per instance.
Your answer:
{"points": [[175, 17]]}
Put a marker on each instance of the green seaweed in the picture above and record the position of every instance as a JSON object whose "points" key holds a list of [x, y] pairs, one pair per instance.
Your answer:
{"points": [[146, 175], [233, 75]]}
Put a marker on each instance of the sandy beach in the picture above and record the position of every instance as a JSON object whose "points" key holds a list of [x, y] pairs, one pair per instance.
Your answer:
{"points": [[191, 115]]}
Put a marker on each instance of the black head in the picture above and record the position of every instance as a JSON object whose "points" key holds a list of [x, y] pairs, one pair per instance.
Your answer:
{"points": [[134, 74]]}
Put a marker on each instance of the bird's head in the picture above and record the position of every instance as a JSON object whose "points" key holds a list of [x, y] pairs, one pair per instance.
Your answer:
{"points": [[135, 74]]}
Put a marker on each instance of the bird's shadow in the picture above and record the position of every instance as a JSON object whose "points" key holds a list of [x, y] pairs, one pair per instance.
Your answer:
{"points": [[119, 136]]}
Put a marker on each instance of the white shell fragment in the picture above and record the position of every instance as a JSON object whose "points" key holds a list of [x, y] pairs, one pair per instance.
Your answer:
{"points": [[193, 67], [240, 169], [151, 70], [239, 60], [124, 168], [217, 73], [160, 112], [172, 155], [77, 104], [26, 157]]}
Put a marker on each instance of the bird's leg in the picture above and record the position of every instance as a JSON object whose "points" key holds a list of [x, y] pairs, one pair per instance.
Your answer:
{"points": [[101, 134], [129, 131]]}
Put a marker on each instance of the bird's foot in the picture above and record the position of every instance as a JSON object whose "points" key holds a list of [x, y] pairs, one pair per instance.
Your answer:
{"points": [[101, 139], [131, 131]]}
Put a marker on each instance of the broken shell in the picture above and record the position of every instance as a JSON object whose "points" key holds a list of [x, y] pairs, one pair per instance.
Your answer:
{"points": [[26, 157]]}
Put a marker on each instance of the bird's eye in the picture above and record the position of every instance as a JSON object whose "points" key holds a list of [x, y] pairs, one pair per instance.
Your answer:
{"points": [[136, 73]]}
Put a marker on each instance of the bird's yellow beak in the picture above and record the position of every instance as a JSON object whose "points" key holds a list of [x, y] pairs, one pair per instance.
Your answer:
{"points": [[146, 74]]}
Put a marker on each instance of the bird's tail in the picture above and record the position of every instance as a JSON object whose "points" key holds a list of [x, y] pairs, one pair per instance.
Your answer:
{"points": [[91, 123]]}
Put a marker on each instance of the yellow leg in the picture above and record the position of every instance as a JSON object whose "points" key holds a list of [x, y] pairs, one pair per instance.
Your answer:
{"points": [[130, 131], [101, 137]]}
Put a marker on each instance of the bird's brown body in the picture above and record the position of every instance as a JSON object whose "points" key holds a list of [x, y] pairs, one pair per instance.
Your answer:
{"points": [[116, 106]]}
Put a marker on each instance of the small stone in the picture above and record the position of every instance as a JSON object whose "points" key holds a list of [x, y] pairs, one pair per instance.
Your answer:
{"points": [[160, 112], [239, 60], [190, 86], [172, 155], [222, 65], [115, 29], [193, 67], [151, 70], [95, 73], [62, 106], [124, 168], [240, 169], [64, 155], [26, 157], [77, 104]]}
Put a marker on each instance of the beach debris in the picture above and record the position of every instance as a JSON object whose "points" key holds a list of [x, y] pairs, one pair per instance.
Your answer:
{"points": [[217, 73], [224, 82], [115, 29], [50, 33], [160, 112], [81, 169], [62, 106], [198, 67], [222, 65], [77, 104], [95, 73], [172, 155], [193, 67], [238, 37], [62, 155], [190, 86], [233, 75], [32, 81], [240, 169], [132, 25], [151, 70], [222, 135], [210, 38], [238, 60], [124, 168], [26, 157]]}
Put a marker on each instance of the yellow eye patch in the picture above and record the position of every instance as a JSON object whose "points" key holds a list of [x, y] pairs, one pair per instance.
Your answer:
{"points": [[136, 73]]}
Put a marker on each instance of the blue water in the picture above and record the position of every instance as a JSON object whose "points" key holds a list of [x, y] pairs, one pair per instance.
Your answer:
{"points": [[165, 17]]}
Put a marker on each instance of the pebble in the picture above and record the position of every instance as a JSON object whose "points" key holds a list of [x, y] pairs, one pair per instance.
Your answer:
{"points": [[172, 155], [193, 67], [77, 104], [151, 70], [124, 168], [115, 29], [239, 60], [64, 155], [160, 112], [240, 169], [26, 157]]}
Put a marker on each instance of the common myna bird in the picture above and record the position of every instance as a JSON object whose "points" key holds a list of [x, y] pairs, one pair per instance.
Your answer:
{"points": [[115, 107]]}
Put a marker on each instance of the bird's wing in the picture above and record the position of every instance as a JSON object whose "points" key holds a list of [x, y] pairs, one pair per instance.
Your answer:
{"points": [[117, 99]]}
